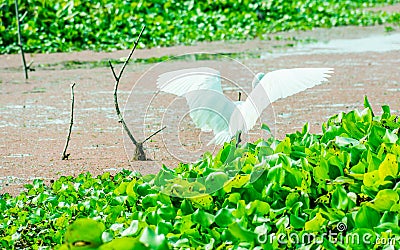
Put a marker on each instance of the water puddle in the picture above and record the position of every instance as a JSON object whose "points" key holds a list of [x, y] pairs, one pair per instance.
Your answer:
{"points": [[376, 43], [380, 43], [100, 146], [17, 155]]}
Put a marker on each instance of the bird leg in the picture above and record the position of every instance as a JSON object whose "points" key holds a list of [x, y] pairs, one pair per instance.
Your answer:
{"points": [[238, 139], [240, 96]]}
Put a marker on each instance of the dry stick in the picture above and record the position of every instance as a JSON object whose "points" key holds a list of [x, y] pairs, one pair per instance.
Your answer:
{"points": [[139, 152], [65, 155], [158, 131], [20, 40]]}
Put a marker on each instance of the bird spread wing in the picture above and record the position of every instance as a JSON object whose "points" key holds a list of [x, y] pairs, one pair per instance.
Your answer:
{"points": [[210, 109], [286, 82], [280, 84], [180, 82]]}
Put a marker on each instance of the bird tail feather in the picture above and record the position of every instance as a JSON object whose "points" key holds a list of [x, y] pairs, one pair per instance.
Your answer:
{"points": [[220, 138]]}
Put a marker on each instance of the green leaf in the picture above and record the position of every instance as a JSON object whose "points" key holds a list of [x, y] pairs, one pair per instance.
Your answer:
{"points": [[226, 154], [357, 124], [339, 198], [259, 207], [166, 212], [84, 232], [149, 200], [153, 241], [203, 201], [371, 178], [125, 243], [386, 112], [315, 224], [368, 105], [385, 199], [186, 207], [266, 128], [164, 227], [236, 182], [297, 222], [215, 181], [224, 217], [143, 189], [276, 176], [375, 137], [390, 217], [132, 229], [234, 197], [203, 218], [389, 167], [390, 137], [321, 172], [241, 234], [367, 217], [284, 147], [130, 189]]}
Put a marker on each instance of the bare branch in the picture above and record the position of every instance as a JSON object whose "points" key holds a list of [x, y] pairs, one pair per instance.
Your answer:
{"points": [[139, 153], [65, 155], [158, 131], [30, 66], [131, 53], [113, 71], [20, 39]]}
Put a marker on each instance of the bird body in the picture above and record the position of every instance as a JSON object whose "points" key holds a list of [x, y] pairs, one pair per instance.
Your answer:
{"points": [[211, 110]]}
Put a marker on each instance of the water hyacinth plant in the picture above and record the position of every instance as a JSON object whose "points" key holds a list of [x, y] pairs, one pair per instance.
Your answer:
{"points": [[55, 26], [332, 189]]}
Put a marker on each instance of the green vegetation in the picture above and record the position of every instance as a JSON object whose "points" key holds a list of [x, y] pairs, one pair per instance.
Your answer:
{"points": [[344, 182], [50, 26]]}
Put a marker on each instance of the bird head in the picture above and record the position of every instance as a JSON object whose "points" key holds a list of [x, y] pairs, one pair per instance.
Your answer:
{"points": [[257, 79]]}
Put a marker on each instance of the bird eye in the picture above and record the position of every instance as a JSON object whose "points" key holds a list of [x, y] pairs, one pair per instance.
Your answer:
{"points": [[81, 243]]}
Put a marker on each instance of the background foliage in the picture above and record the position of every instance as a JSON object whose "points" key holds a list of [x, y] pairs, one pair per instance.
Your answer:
{"points": [[60, 25], [345, 180]]}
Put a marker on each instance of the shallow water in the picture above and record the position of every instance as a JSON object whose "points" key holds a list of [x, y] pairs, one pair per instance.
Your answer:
{"points": [[376, 43]]}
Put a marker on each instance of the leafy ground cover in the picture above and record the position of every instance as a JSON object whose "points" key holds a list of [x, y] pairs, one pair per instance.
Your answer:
{"points": [[339, 189], [50, 26]]}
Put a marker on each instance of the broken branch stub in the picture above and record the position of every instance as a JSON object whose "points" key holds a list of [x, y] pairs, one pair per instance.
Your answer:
{"points": [[64, 154]]}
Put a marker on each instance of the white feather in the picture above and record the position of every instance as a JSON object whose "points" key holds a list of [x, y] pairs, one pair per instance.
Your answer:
{"points": [[180, 82], [210, 109]]}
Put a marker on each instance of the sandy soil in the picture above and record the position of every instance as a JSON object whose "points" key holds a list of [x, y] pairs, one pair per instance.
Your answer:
{"points": [[35, 113]]}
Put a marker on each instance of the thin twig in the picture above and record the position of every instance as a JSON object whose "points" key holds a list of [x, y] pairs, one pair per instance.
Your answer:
{"points": [[20, 40], [113, 71], [158, 131], [65, 155], [29, 67], [130, 54]]}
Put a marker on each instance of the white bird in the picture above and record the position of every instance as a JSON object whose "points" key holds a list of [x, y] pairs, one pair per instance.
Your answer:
{"points": [[211, 110]]}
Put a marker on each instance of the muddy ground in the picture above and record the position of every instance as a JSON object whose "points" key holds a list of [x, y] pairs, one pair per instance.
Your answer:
{"points": [[35, 113]]}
